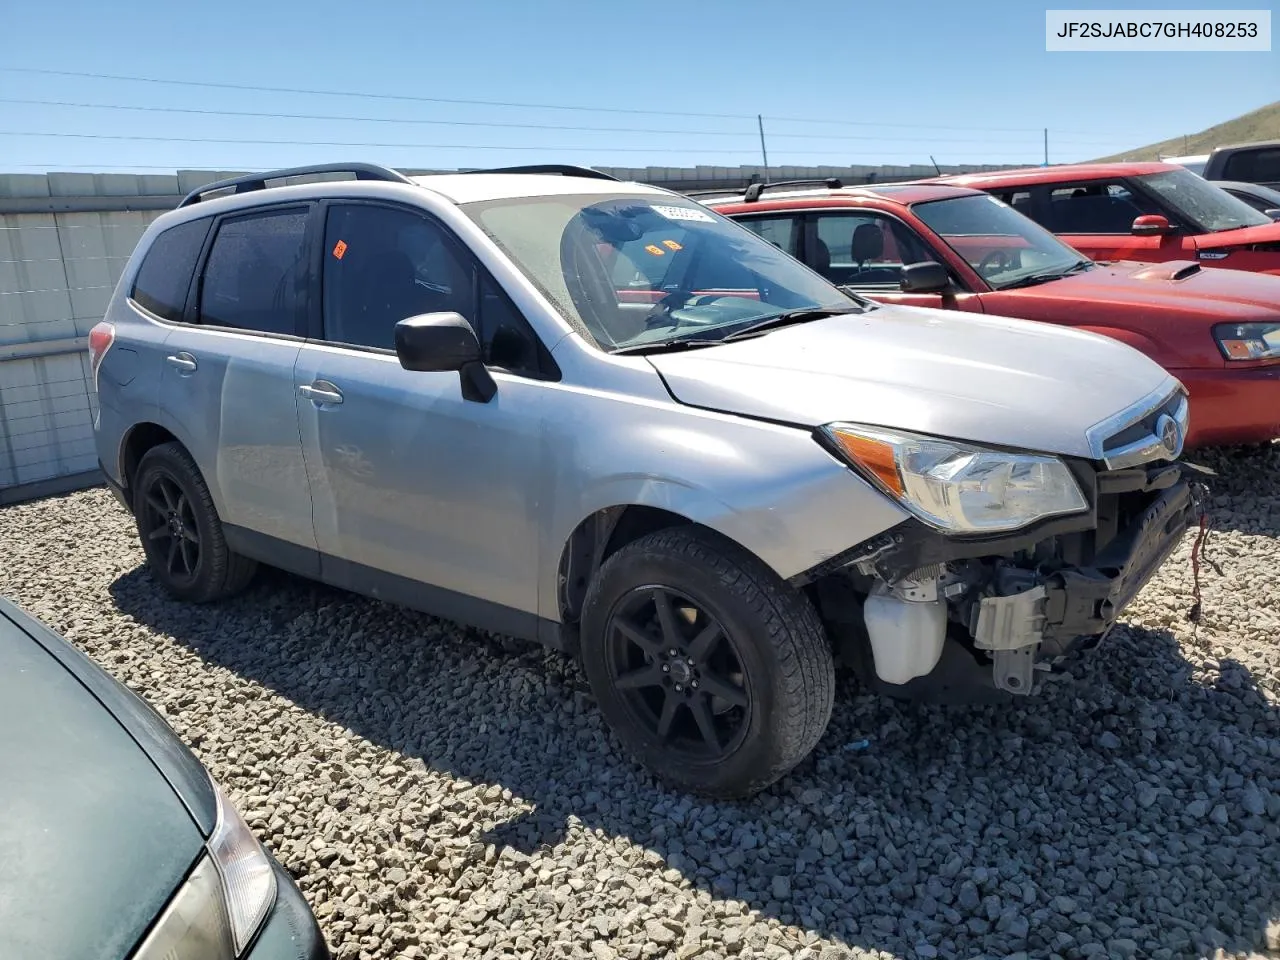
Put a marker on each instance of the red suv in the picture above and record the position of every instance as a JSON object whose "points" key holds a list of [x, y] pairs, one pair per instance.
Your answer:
{"points": [[941, 246], [1138, 211]]}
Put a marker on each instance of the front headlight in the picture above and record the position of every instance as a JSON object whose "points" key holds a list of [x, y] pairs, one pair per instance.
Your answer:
{"points": [[194, 925], [224, 900], [956, 487], [1248, 341], [248, 882]]}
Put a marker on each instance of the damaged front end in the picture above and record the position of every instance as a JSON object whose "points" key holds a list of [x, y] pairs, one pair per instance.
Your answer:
{"points": [[927, 614]]}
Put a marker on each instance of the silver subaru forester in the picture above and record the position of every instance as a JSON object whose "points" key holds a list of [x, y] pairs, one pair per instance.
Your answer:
{"points": [[547, 403]]}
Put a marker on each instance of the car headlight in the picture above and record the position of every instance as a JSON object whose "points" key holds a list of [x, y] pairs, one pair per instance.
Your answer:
{"points": [[216, 912], [1248, 341], [956, 487], [248, 882]]}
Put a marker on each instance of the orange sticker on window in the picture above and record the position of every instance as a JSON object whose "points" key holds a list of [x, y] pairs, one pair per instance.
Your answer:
{"points": [[339, 249], [656, 250], [671, 245]]}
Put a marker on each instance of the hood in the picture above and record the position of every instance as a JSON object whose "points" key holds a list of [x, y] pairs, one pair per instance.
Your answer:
{"points": [[984, 379], [1175, 285], [1222, 239], [93, 840]]}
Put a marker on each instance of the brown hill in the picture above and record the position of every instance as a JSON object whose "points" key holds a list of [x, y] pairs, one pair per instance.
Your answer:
{"points": [[1260, 124]]}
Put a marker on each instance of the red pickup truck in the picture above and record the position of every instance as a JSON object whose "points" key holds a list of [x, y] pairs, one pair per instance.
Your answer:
{"points": [[1138, 211], [941, 246]]}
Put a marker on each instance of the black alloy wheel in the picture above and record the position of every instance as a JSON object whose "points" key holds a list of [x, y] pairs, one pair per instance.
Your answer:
{"points": [[168, 521], [679, 672]]}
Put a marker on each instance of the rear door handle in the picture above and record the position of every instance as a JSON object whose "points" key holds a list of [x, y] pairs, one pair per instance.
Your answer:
{"points": [[182, 361], [322, 391]]}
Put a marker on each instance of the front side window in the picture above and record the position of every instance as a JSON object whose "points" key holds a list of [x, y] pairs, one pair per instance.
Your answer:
{"points": [[1100, 206], [385, 264], [165, 275], [631, 271], [255, 273], [1208, 207], [1004, 247], [382, 265]]}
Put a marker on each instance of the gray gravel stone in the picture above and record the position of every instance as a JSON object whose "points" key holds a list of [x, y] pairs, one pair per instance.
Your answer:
{"points": [[441, 792]]}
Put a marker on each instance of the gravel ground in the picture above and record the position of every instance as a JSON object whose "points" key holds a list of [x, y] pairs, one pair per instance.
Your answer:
{"points": [[441, 793]]}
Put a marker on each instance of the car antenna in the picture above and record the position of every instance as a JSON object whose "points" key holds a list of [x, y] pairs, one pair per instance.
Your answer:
{"points": [[935, 165]]}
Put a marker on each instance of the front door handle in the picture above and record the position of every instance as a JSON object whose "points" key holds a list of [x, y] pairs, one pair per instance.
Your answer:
{"points": [[182, 361], [322, 391]]}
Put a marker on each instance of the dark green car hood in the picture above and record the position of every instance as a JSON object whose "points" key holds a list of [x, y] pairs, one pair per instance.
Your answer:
{"points": [[93, 839]]}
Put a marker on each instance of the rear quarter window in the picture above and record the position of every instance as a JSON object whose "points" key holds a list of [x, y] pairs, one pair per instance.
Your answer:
{"points": [[165, 274], [1254, 166]]}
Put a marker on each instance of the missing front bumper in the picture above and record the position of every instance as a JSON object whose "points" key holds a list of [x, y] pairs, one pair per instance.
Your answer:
{"points": [[1055, 609]]}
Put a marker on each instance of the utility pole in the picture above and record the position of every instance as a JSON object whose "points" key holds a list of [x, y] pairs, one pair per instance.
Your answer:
{"points": [[764, 153], [1046, 146]]}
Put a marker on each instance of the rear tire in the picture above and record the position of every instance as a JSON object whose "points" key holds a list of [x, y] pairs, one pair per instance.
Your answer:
{"points": [[712, 671], [180, 530]]}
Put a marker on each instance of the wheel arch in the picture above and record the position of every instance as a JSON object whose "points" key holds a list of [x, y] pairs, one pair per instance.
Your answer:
{"points": [[603, 533], [144, 436], [134, 445]]}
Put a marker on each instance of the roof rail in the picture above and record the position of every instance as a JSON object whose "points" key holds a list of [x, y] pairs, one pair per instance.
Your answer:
{"points": [[562, 169], [752, 193], [258, 181]]}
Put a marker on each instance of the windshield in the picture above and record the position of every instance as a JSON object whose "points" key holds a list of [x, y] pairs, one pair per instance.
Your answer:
{"points": [[1208, 208], [637, 270], [1002, 245]]}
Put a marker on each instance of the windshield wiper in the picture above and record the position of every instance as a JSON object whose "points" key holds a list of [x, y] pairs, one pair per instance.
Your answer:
{"points": [[751, 330], [1048, 275], [789, 318], [665, 346]]}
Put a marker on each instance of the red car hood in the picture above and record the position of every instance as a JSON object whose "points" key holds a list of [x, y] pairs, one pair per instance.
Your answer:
{"points": [[1225, 239], [1172, 287]]}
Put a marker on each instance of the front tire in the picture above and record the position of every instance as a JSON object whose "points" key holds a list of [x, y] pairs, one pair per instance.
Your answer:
{"points": [[714, 672], [180, 530]]}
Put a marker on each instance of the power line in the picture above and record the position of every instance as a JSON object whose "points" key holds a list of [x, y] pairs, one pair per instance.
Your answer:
{"points": [[413, 146], [414, 98], [490, 123], [366, 95], [412, 120]]}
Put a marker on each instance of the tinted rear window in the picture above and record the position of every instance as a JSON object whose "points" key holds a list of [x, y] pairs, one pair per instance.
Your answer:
{"points": [[165, 275], [1255, 166], [252, 279]]}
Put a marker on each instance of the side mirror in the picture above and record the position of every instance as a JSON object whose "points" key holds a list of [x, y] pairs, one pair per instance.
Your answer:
{"points": [[926, 277], [1273, 213], [1151, 225], [440, 342]]}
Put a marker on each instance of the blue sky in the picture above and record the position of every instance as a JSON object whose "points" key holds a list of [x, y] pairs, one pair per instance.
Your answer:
{"points": [[890, 82]]}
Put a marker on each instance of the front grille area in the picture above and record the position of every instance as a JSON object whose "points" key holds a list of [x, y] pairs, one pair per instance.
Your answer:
{"points": [[1139, 440], [1145, 427]]}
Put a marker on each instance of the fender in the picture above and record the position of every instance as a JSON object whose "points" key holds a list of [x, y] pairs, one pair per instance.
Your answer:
{"points": [[777, 493], [1132, 338]]}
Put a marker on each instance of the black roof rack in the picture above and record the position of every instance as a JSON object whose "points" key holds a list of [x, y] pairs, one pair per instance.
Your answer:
{"points": [[752, 193], [562, 169], [258, 181]]}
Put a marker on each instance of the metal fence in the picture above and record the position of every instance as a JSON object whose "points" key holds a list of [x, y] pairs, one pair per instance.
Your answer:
{"points": [[64, 241]]}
